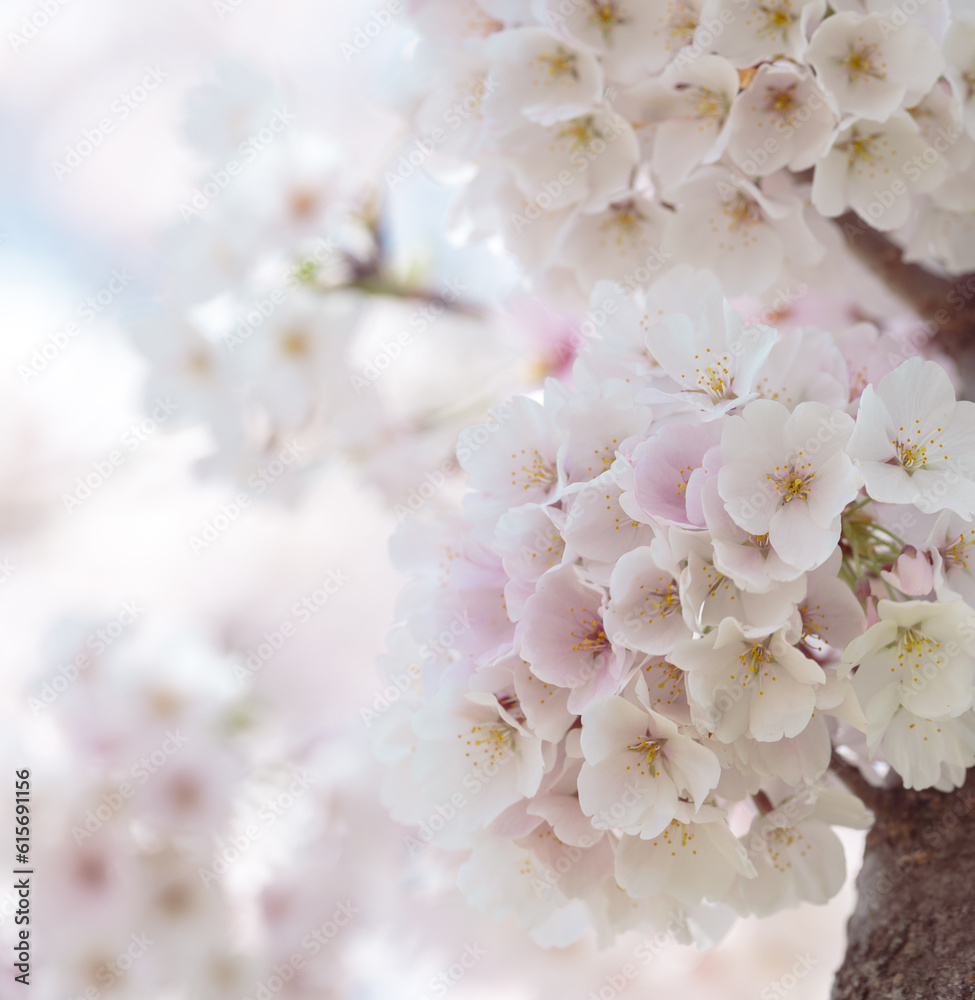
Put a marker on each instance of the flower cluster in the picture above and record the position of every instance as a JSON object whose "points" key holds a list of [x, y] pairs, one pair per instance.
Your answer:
{"points": [[678, 587], [615, 138], [295, 319]]}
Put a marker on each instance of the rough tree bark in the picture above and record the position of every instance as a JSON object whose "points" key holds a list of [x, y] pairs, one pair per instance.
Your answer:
{"points": [[912, 934]]}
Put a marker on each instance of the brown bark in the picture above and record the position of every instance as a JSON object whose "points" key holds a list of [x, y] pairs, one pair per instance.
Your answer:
{"points": [[912, 934], [945, 304]]}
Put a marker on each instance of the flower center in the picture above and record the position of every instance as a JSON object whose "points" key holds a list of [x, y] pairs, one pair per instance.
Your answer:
{"points": [[708, 104], [492, 742], [859, 148], [752, 661], [646, 746], [627, 221], [295, 344], [684, 23], [793, 483], [594, 640], [956, 554], [778, 18], [860, 65], [743, 212], [714, 377], [580, 132], [560, 63], [606, 15], [922, 649], [536, 473], [667, 601], [782, 102]]}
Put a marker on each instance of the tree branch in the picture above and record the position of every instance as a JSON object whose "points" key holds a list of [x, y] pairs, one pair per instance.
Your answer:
{"points": [[947, 305]]}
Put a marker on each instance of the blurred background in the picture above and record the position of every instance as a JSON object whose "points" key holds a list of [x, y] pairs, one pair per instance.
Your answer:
{"points": [[237, 350]]}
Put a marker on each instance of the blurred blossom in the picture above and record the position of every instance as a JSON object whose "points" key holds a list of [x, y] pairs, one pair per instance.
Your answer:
{"points": [[282, 281]]}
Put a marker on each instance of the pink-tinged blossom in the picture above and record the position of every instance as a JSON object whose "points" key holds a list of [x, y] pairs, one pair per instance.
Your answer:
{"points": [[644, 611], [708, 596], [951, 549], [474, 757], [511, 458], [597, 527], [563, 638], [670, 470]]}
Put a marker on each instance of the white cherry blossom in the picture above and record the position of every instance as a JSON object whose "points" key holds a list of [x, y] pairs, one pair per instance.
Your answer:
{"points": [[872, 68], [787, 476], [754, 33], [914, 443], [690, 861], [639, 769], [761, 686]]}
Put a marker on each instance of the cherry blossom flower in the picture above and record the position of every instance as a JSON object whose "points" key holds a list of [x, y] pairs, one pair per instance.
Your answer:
{"points": [[920, 654], [869, 169], [797, 856], [786, 475], [643, 763], [757, 685], [870, 70], [754, 34], [914, 443], [690, 861], [563, 638], [644, 612], [540, 76]]}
